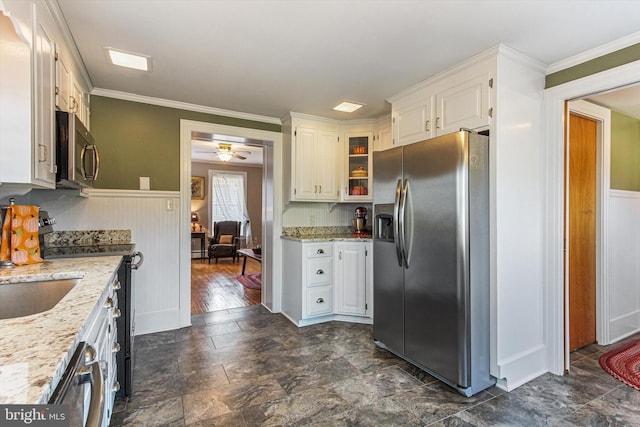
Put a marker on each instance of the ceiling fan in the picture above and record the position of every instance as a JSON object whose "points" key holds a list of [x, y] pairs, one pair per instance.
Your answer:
{"points": [[225, 153]]}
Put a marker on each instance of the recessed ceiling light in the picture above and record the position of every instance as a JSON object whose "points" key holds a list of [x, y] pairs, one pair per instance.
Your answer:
{"points": [[128, 59], [347, 107]]}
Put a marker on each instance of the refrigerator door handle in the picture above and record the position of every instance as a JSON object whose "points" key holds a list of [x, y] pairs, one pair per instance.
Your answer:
{"points": [[396, 225], [402, 223]]}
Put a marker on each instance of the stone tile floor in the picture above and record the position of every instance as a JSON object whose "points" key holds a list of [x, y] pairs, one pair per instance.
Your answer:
{"points": [[248, 367]]}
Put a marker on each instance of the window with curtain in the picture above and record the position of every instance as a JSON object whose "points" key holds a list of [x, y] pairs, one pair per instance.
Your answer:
{"points": [[229, 199]]}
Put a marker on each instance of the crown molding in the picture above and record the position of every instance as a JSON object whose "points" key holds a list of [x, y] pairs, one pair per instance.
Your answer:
{"points": [[183, 106], [594, 53]]}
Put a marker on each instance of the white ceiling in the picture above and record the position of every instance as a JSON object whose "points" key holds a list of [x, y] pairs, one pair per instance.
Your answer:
{"points": [[624, 100], [269, 57]]}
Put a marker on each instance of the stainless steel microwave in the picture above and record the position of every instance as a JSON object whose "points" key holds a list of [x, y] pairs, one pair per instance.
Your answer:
{"points": [[77, 157]]}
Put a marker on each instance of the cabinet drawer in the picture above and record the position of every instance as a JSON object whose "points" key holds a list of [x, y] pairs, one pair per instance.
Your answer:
{"points": [[319, 271], [319, 250], [319, 301]]}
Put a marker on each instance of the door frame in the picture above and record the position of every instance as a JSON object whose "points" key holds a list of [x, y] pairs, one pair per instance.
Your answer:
{"points": [[602, 116], [553, 209], [271, 213]]}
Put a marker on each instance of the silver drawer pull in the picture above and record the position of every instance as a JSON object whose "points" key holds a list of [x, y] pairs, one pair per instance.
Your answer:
{"points": [[108, 303], [116, 386], [319, 272], [117, 313], [320, 251], [319, 301], [117, 285], [116, 347]]}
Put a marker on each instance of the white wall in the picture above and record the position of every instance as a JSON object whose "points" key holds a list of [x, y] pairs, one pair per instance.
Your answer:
{"points": [[518, 352]]}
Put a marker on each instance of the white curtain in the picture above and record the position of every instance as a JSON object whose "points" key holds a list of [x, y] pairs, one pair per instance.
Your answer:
{"points": [[229, 200]]}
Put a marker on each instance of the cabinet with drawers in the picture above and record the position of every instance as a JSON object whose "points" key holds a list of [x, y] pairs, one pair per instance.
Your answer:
{"points": [[325, 281]]}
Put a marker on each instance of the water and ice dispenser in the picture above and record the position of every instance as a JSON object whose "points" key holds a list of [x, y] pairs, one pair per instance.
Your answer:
{"points": [[383, 224]]}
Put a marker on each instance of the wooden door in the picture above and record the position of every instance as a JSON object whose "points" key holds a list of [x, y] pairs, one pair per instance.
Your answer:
{"points": [[582, 231]]}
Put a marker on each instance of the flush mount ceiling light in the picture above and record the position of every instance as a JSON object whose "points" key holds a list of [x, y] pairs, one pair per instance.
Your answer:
{"points": [[128, 59], [347, 107]]}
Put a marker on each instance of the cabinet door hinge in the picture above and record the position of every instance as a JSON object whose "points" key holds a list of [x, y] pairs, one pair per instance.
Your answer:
{"points": [[295, 133], [57, 90], [491, 82], [55, 55], [491, 112], [366, 306], [294, 191]]}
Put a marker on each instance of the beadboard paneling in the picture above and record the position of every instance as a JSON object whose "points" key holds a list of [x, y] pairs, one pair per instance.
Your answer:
{"points": [[154, 230], [624, 265], [305, 214]]}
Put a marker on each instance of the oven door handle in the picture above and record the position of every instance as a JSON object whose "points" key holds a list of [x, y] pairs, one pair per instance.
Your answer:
{"points": [[138, 264], [96, 402]]}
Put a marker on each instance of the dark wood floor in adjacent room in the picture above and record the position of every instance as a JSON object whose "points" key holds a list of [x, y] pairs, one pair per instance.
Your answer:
{"points": [[215, 287]]}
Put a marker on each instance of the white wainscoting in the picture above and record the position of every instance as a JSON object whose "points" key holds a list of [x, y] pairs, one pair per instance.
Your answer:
{"points": [[624, 264], [154, 230]]}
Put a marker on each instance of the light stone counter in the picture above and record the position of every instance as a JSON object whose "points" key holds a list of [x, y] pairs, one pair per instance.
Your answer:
{"points": [[322, 234], [340, 237], [34, 350]]}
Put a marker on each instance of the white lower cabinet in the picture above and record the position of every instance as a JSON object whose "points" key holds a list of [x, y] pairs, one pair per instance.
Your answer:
{"points": [[350, 278], [100, 332], [327, 281]]}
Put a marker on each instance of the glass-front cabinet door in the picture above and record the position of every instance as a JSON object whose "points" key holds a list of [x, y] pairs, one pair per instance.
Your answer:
{"points": [[358, 172]]}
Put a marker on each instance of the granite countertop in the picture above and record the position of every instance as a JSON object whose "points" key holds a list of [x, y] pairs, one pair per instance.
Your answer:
{"points": [[35, 349], [327, 237], [330, 233]]}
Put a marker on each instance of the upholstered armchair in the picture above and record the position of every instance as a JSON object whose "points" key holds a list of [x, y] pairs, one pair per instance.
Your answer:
{"points": [[225, 240]]}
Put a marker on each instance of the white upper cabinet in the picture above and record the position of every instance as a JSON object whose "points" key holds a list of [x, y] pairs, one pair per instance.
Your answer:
{"points": [[413, 122], [459, 98], [63, 82], [358, 166], [383, 139], [27, 96], [313, 148], [44, 85], [465, 105], [32, 85]]}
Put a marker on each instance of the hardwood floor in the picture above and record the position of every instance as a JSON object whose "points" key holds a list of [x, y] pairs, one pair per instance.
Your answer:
{"points": [[215, 287]]}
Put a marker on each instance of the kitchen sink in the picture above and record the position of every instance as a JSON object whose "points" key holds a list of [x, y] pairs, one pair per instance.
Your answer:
{"points": [[25, 298]]}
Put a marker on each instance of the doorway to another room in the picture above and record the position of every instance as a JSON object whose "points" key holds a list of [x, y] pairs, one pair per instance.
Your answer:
{"points": [[209, 150], [228, 212]]}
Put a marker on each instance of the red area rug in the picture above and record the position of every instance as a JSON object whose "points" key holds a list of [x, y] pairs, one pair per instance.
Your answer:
{"points": [[623, 363], [251, 280]]}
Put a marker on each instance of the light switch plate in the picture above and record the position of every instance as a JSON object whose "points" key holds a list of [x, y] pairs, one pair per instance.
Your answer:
{"points": [[145, 183]]}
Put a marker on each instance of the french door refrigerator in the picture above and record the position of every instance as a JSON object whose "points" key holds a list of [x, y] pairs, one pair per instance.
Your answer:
{"points": [[431, 257]]}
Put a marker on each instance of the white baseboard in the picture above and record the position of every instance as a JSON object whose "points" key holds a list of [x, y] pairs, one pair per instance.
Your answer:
{"points": [[157, 321], [521, 368]]}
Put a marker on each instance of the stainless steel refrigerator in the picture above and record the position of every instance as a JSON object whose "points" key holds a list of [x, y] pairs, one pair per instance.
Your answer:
{"points": [[431, 257]]}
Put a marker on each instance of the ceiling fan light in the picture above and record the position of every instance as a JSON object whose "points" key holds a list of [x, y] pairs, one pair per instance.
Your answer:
{"points": [[225, 157]]}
